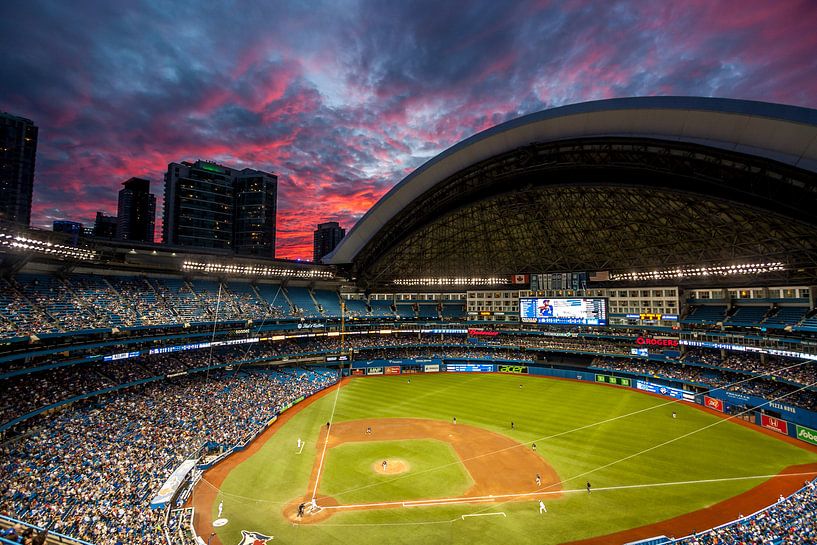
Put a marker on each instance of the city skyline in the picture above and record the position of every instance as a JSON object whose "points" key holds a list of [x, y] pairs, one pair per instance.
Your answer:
{"points": [[341, 100]]}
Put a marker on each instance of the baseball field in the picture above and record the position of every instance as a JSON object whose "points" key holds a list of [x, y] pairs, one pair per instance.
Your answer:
{"points": [[474, 479]]}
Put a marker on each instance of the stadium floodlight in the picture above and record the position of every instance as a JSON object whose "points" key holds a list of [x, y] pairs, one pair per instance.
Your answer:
{"points": [[24, 244], [720, 270], [476, 281], [258, 270]]}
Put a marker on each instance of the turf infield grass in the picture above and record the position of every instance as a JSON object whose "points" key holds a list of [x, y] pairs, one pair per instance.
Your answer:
{"points": [[434, 472], [254, 493]]}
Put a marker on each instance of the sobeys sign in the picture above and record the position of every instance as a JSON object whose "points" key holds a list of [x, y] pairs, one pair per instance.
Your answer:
{"points": [[807, 434]]}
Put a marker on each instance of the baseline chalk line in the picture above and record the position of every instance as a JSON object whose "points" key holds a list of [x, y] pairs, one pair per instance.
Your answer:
{"points": [[484, 514]]}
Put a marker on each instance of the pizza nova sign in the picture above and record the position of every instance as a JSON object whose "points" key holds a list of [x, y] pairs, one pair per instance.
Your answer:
{"points": [[656, 341]]}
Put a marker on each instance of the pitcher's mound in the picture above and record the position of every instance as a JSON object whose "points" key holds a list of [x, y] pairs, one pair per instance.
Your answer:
{"points": [[393, 467]]}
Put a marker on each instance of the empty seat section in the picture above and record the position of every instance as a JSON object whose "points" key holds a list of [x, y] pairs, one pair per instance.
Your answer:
{"points": [[428, 311], [356, 308], [786, 316], [381, 309], [302, 301], [747, 316], [329, 302], [454, 311], [274, 295], [706, 314]]}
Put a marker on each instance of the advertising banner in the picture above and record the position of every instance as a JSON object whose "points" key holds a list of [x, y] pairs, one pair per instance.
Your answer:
{"points": [[374, 370], [607, 379], [172, 484], [358, 372], [393, 370], [469, 368], [807, 434], [713, 403], [515, 369], [664, 390], [431, 368], [774, 424]]}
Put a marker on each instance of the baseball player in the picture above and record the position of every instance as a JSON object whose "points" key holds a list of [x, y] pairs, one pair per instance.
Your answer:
{"points": [[455, 420], [538, 480], [542, 508], [588, 487], [512, 425], [533, 446], [220, 508], [299, 443], [369, 430], [385, 465]]}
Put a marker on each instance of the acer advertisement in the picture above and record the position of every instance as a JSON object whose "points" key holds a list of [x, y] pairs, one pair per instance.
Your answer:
{"points": [[774, 424]]}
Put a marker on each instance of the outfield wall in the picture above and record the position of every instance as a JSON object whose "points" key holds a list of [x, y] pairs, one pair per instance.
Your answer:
{"points": [[793, 421]]}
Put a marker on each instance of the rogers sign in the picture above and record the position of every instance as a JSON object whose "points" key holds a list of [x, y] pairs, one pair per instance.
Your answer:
{"points": [[654, 341]]}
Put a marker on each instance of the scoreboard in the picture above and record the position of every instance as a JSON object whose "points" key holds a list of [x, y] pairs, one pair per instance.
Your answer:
{"points": [[563, 310]]}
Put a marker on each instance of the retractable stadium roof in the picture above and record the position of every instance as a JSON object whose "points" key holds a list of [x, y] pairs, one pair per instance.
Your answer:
{"points": [[619, 185]]}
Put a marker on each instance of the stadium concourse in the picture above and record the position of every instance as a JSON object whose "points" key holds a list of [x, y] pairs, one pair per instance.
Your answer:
{"points": [[120, 364]]}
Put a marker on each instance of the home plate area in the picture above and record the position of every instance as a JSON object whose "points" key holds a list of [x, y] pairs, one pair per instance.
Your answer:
{"points": [[496, 464]]}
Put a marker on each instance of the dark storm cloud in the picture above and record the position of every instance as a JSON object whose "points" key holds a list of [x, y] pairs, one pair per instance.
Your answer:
{"points": [[343, 99]]}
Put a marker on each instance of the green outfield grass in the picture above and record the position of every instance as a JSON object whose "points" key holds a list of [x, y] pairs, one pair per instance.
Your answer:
{"points": [[434, 471], [639, 444]]}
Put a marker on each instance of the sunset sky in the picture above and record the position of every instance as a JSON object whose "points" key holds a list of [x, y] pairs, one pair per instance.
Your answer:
{"points": [[343, 99]]}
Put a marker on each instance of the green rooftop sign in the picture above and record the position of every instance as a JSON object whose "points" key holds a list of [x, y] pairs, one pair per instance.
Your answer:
{"points": [[211, 168]]}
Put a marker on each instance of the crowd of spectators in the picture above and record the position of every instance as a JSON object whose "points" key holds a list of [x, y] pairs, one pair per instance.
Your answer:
{"points": [[790, 521], [766, 388], [39, 389], [35, 304], [777, 368], [92, 469]]}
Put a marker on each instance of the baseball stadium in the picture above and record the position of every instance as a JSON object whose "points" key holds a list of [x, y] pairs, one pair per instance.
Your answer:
{"points": [[595, 324]]}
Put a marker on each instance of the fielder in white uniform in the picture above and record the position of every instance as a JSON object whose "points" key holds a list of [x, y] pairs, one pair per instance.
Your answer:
{"points": [[542, 508], [220, 508]]}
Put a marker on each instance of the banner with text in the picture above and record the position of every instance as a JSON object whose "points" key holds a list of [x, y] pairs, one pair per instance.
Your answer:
{"points": [[515, 369], [807, 434], [774, 424], [664, 390], [172, 484], [712, 403]]}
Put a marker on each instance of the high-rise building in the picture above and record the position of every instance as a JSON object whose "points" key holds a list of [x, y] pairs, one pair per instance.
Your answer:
{"points": [[105, 226], [136, 214], [256, 206], [208, 205], [327, 237], [18, 150]]}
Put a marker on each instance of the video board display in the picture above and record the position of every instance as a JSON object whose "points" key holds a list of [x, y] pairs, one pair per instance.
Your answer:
{"points": [[563, 310]]}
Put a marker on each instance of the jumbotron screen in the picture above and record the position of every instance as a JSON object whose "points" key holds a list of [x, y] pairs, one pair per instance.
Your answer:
{"points": [[563, 311]]}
